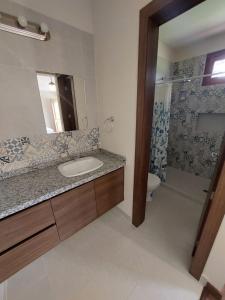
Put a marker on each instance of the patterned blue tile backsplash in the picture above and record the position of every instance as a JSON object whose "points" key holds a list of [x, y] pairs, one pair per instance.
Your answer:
{"points": [[191, 148], [20, 155]]}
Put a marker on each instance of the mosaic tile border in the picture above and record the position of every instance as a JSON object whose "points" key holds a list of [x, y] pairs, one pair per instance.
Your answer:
{"points": [[23, 154]]}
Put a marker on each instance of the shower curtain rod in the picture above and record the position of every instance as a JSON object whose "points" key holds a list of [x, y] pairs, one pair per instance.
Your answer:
{"points": [[189, 78]]}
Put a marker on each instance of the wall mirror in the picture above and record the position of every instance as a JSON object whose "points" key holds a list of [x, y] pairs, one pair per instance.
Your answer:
{"points": [[58, 102]]}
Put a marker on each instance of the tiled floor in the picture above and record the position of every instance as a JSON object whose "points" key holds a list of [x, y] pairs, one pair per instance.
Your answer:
{"points": [[187, 184], [111, 260]]}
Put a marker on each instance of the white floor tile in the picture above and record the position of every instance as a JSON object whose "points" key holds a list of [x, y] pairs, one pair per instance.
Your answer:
{"points": [[188, 184], [171, 227], [112, 260]]}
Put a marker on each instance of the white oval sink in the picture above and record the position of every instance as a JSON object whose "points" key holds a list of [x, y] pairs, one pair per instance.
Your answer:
{"points": [[80, 166]]}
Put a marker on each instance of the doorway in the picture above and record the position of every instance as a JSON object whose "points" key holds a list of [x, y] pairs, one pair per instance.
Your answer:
{"points": [[151, 18]]}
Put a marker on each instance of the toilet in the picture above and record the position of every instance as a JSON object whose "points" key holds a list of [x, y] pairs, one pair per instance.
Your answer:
{"points": [[153, 184]]}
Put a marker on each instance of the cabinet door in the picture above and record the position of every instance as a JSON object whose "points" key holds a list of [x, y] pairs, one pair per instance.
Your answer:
{"points": [[74, 209], [109, 191], [23, 225], [20, 256]]}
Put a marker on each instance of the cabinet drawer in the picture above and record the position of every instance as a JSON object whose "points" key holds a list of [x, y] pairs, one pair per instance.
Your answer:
{"points": [[74, 209], [24, 224], [109, 191], [26, 252]]}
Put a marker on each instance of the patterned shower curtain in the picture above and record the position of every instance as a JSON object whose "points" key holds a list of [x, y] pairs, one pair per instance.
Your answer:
{"points": [[160, 130]]}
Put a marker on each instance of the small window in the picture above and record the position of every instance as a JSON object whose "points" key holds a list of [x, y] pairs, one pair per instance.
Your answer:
{"points": [[215, 65]]}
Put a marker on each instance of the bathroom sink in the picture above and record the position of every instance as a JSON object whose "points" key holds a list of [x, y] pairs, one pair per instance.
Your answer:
{"points": [[80, 166]]}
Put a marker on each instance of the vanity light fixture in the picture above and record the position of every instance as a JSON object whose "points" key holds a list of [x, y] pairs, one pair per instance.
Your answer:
{"points": [[20, 25]]}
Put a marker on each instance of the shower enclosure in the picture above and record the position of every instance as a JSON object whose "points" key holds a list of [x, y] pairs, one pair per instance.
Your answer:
{"points": [[188, 124]]}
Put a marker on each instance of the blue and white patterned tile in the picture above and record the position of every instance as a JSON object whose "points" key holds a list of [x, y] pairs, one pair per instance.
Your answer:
{"points": [[4, 158], [93, 137], [193, 148], [29, 152], [15, 148], [61, 142]]}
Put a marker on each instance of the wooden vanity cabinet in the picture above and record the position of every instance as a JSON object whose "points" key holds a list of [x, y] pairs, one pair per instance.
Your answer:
{"points": [[109, 191], [77, 208], [74, 209], [29, 234]]}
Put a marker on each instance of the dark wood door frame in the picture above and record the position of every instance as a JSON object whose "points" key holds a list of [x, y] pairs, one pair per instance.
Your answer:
{"points": [[210, 292], [152, 16]]}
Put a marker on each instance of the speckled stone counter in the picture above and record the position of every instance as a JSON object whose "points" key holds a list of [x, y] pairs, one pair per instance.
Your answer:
{"points": [[23, 191]]}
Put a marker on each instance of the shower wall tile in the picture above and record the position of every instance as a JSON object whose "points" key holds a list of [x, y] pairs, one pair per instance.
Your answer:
{"points": [[23, 154], [191, 149]]}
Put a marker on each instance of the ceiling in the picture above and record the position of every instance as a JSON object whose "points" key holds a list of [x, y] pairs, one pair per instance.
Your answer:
{"points": [[203, 21]]}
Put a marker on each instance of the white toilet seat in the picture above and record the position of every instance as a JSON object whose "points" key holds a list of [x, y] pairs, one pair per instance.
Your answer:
{"points": [[153, 182]]}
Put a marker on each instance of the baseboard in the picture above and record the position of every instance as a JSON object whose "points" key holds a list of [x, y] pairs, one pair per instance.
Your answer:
{"points": [[210, 293]]}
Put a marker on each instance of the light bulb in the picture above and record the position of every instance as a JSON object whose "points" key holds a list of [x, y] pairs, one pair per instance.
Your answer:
{"points": [[44, 28], [22, 21]]}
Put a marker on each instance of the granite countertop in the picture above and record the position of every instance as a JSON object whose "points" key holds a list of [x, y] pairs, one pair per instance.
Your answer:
{"points": [[23, 191]]}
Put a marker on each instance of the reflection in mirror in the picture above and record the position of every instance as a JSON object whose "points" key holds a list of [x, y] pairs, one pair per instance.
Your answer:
{"points": [[58, 102]]}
